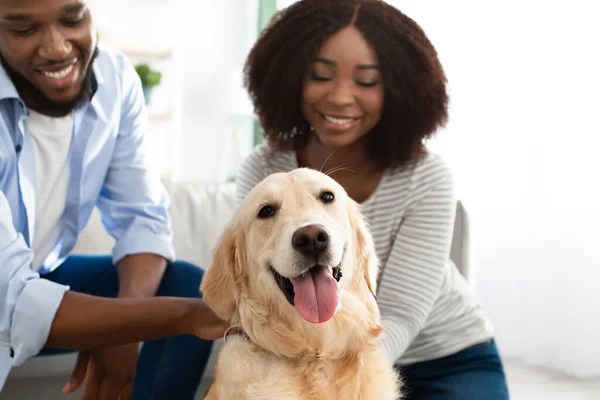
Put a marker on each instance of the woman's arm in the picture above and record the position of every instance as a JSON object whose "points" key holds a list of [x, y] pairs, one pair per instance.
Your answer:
{"points": [[85, 322], [415, 268], [251, 172]]}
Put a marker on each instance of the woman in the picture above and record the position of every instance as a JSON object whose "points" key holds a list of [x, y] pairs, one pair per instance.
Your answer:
{"points": [[352, 88]]}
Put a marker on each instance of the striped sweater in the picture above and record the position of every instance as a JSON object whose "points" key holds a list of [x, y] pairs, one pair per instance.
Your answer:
{"points": [[427, 308]]}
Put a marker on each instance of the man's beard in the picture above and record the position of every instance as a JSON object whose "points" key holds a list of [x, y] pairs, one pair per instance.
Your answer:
{"points": [[43, 104]]}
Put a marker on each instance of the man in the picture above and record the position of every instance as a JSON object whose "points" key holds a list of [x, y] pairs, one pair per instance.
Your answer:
{"points": [[72, 136]]}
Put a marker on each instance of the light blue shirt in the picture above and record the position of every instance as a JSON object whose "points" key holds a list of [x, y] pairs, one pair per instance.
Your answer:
{"points": [[109, 169]]}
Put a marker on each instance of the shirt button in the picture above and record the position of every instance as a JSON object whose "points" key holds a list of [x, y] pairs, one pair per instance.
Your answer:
{"points": [[18, 148]]}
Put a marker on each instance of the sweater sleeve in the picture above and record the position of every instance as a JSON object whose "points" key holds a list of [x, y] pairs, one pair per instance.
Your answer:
{"points": [[251, 172], [412, 276]]}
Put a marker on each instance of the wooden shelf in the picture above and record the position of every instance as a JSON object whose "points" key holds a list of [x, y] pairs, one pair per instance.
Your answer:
{"points": [[153, 54], [133, 51], [158, 114]]}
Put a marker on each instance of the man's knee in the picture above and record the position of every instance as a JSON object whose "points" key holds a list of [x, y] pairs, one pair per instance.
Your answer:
{"points": [[181, 279]]}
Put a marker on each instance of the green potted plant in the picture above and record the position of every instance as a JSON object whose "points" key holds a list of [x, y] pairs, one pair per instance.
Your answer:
{"points": [[150, 79]]}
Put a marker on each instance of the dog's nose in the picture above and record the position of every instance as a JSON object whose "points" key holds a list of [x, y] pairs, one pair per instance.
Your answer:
{"points": [[311, 240]]}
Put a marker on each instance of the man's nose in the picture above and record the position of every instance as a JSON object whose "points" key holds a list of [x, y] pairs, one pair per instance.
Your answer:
{"points": [[54, 45]]}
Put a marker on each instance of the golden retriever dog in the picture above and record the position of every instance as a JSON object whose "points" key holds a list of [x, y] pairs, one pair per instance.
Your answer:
{"points": [[295, 270]]}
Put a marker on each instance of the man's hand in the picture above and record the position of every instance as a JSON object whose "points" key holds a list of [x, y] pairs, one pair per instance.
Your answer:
{"points": [[108, 373], [205, 323]]}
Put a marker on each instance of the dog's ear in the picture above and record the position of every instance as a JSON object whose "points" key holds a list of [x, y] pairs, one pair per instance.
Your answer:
{"points": [[218, 286], [366, 256]]}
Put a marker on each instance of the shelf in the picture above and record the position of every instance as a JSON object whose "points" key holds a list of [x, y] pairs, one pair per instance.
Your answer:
{"points": [[153, 54], [134, 51], [158, 114]]}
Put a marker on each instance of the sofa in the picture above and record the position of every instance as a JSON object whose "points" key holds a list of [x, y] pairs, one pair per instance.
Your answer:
{"points": [[199, 213]]}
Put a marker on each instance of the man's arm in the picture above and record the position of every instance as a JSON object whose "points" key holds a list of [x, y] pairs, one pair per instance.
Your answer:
{"points": [[85, 322], [35, 312], [140, 274], [133, 202], [27, 303]]}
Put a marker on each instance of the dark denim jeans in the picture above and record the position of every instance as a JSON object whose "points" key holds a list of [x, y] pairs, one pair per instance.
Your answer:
{"points": [[169, 368], [475, 373]]}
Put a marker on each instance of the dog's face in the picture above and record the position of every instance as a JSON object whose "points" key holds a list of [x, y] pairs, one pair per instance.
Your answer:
{"points": [[296, 262], [298, 230]]}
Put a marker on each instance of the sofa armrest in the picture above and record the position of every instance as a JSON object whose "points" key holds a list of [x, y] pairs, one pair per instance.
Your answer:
{"points": [[461, 249]]}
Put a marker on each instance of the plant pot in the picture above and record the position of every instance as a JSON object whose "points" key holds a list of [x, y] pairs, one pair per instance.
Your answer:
{"points": [[148, 93]]}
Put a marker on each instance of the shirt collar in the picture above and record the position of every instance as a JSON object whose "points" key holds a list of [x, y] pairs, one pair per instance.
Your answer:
{"points": [[7, 87], [98, 83], [97, 73]]}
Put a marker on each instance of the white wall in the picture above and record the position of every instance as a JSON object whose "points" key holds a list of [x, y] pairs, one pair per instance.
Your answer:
{"points": [[209, 39], [523, 141], [214, 37]]}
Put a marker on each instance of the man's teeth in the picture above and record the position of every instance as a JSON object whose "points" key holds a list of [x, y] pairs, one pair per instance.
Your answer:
{"points": [[339, 121], [58, 74]]}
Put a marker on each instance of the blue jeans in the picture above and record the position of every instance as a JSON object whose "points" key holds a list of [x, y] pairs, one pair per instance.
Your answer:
{"points": [[475, 373], [169, 368]]}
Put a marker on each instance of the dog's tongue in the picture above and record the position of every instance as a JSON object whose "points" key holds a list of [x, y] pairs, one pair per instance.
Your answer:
{"points": [[316, 295]]}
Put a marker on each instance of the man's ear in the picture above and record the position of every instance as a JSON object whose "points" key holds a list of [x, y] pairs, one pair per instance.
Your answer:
{"points": [[366, 257], [218, 286]]}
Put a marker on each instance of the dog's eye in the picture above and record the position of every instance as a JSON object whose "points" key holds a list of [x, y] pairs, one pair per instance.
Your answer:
{"points": [[327, 197], [266, 212]]}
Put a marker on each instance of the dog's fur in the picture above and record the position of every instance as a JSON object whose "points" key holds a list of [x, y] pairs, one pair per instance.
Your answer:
{"points": [[284, 356]]}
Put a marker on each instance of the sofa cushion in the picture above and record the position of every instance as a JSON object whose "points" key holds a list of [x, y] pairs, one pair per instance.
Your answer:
{"points": [[199, 213]]}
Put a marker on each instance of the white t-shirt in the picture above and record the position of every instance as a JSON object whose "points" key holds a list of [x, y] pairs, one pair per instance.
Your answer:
{"points": [[51, 142]]}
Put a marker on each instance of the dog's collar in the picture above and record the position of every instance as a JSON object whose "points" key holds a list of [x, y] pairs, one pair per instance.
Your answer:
{"points": [[238, 331]]}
